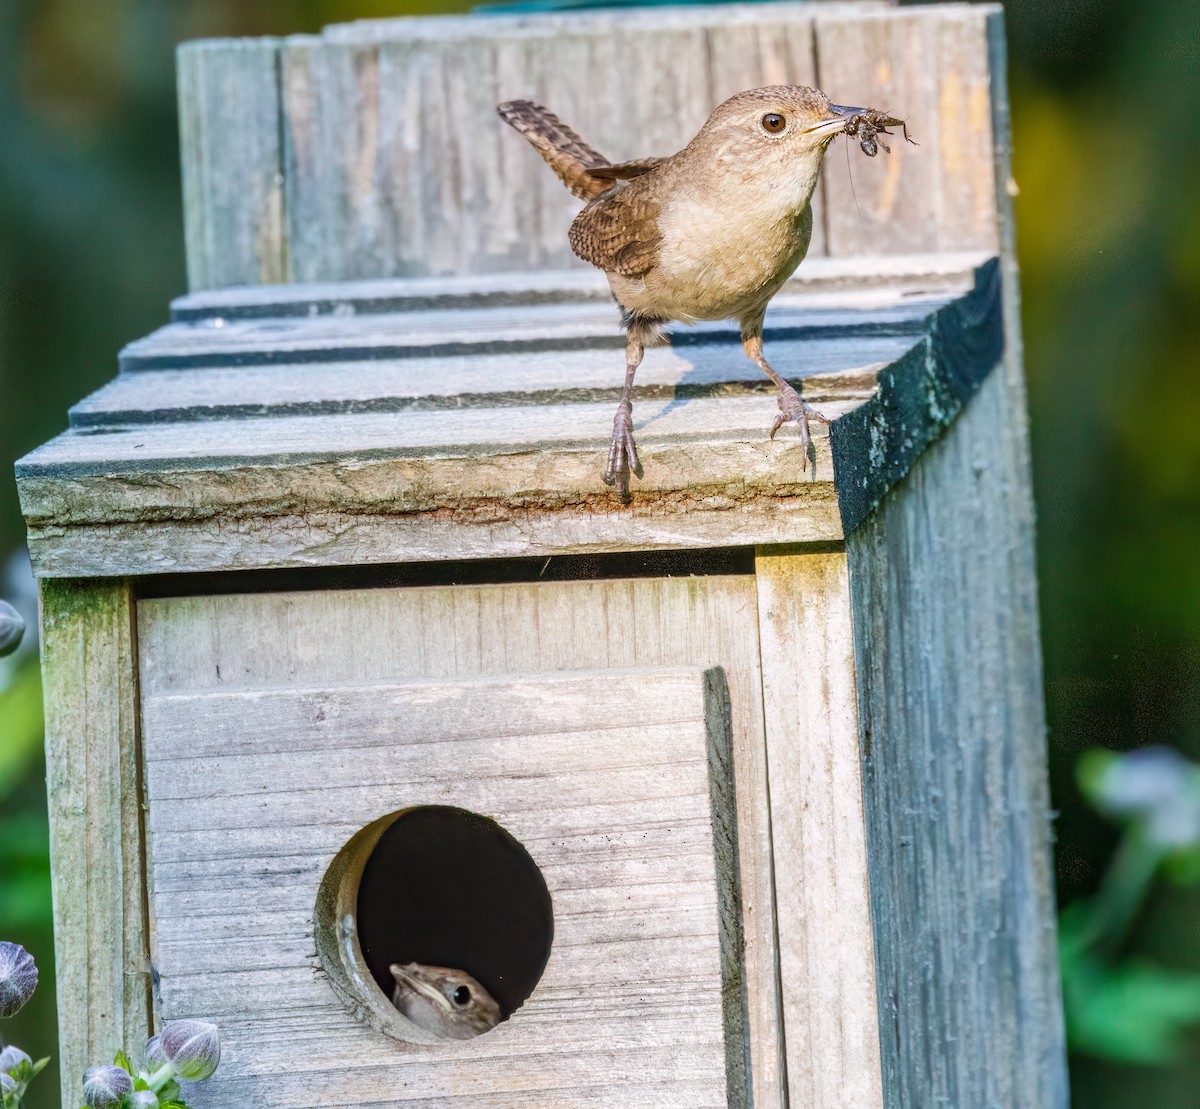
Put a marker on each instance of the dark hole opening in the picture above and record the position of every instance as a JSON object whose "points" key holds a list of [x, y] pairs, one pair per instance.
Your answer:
{"points": [[450, 888]]}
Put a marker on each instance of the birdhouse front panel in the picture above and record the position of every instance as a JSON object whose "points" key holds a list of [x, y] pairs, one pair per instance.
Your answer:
{"points": [[212, 666], [617, 784]]}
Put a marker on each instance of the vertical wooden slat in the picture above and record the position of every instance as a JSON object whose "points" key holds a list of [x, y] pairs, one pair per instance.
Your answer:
{"points": [[950, 704], [826, 962], [93, 779], [930, 66], [232, 168]]}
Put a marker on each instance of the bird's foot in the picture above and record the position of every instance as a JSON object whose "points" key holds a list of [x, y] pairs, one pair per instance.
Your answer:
{"points": [[622, 453], [792, 409]]}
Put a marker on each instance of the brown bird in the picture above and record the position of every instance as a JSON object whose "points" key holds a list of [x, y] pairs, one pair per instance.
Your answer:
{"points": [[447, 1002], [709, 233]]}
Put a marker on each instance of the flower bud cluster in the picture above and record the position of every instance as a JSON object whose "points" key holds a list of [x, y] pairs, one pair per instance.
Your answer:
{"points": [[18, 980], [185, 1050]]}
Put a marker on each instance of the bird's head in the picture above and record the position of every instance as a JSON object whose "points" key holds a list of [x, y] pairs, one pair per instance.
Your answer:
{"points": [[775, 135], [448, 1003]]}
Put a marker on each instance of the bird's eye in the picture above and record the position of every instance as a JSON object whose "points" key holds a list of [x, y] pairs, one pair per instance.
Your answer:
{"points": [[462, 995], [773, 122]]}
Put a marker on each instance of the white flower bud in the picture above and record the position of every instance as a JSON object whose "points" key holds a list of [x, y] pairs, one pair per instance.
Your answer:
{"points": [[12, 628], [192, 1047], [11, 1058], [143, 1099], [8, 1085], [1154, 785], [18, 978], [105, 1086]]}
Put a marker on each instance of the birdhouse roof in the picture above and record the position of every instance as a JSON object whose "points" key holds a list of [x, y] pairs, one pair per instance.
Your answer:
{"points": [[406, 420]]}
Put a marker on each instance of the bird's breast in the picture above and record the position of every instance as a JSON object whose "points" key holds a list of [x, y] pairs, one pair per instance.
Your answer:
{"points": [[716, 264]]}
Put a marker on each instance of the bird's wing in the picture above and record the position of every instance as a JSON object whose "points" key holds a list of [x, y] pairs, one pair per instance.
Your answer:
{"points": [[618, 232], [625, 171], [564, 151]]}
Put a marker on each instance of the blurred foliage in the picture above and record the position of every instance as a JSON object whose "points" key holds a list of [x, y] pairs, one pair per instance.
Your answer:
{"points": [[1122, 1008], [1108, 163]]}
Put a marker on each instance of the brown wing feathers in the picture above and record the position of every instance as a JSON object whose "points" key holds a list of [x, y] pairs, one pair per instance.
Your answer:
{"points": [[617, 232]]}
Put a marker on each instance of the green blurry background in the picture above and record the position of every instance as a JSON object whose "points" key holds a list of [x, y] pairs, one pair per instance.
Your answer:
{"points": [[1107, 131]]}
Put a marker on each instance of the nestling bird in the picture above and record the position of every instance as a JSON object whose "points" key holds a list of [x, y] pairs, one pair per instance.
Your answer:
{"points": [[447, 1002], [709, 233]]}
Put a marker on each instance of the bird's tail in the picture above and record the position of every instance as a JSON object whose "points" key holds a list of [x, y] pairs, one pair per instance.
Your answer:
{"points": [[564, 151]]}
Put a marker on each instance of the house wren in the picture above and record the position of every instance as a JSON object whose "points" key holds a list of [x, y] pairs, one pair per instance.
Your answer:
{"points": [[709, 233], [447, 1002]]}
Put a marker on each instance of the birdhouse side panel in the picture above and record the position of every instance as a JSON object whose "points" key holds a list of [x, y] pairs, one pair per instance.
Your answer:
{"points": [[954, 767]]}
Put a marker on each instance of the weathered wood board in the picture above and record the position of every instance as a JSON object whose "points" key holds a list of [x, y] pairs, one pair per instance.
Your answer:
{"points": [[954, 762], [367, 156], [616, 783], [396, 431], [335, 638], [826, 962], [93, 778], [930, 66], [233, 188]]}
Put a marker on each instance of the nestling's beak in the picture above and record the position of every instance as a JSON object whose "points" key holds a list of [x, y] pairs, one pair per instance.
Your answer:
{"points": [[839, 116]]}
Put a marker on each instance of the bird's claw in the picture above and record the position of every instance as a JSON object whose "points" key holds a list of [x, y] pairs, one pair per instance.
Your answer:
{"points": [[792, 409], [622, 452]]}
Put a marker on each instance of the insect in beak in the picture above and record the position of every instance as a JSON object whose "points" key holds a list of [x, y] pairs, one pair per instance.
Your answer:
{"points": [[836, 123]]}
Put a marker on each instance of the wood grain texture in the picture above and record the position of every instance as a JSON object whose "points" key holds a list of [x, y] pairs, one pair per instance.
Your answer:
{"points": [[560, 327], [954, 758], [826, 957], [603, 778], [930, 66], [351, 452], [900, 275], [843, 368], [325, 639], [388, 156], [94, 787], [232, 162]]}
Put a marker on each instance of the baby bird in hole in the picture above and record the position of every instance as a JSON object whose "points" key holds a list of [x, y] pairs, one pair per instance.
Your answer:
{"points": [[448, 1003], [709, 233]]}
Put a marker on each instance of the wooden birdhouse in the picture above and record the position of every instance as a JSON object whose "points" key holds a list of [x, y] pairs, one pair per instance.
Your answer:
{"points": [[732, 795]]}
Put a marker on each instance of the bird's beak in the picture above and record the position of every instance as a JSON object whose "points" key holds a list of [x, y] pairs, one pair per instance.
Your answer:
{"points": [[833, 124], [403, 975]]}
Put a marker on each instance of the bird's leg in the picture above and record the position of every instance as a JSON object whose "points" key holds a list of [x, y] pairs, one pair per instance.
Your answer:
{"points": [[622, 453], [791, 407]]}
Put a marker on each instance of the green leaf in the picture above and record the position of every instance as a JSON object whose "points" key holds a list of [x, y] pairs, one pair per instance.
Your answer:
{"points": [[40, 1066], [122, 1061], [170, 1091], [1134, 1012], [140, 1083]]}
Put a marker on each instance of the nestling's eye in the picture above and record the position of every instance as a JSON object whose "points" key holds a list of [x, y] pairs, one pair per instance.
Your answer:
{"points": [[462, 995], [773, 122]]}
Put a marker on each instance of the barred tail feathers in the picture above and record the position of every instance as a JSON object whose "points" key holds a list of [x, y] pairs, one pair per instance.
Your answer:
{"points": [[563, 150]]}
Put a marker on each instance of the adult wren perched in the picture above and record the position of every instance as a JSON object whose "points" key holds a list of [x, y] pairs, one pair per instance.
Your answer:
{"points": [[709, 233]]}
